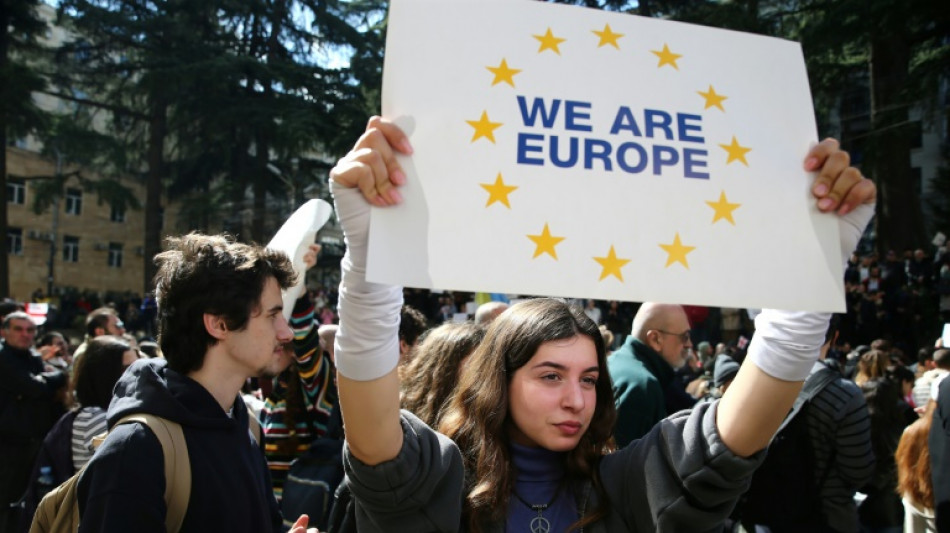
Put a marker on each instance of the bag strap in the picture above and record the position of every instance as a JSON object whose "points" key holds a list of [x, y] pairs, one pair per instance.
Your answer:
{"points": [[813, 385], [254, 425], [177, 465]]}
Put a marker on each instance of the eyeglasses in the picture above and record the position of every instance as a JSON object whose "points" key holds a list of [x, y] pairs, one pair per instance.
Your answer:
{"points": [[684, 337]]}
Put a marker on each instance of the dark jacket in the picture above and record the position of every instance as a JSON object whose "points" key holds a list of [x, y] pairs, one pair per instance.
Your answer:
{"points": [[645, 390], [26, 396], [122, 488], [680, 477], [940, 456]]}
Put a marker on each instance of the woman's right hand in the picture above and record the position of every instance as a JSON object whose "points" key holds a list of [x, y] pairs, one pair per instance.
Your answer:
{"points": [[371, 165]]}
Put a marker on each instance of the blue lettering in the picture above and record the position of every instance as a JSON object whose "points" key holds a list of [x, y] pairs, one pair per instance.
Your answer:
{"points": [[684, 127], [597, 149], [690, 163], [572, 152], [572, 114], [655, 118], [524, 149], [625, 121], [538, 108], [622, 158], [659, 161]]}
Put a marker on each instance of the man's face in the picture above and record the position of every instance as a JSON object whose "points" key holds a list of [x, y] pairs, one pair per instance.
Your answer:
{"points": [[115, 326], [673, 341], [259, 347], [20, 333]]}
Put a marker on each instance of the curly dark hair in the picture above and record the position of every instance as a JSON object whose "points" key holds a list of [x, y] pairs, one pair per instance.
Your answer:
{"points": [[478, 418], [211, 274]]}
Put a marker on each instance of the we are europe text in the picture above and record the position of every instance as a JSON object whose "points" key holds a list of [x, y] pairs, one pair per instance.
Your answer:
{"points": [[649, 152]]}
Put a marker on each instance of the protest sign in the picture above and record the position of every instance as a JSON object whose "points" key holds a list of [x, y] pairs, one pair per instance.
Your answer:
{"points": [[573, 152]]}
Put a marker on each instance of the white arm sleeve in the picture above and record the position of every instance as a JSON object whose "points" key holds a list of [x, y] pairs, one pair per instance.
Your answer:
{"points": [[367, 342], [786, 343]]}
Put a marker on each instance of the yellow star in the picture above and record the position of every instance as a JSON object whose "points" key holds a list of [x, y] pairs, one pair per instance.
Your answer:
{"points": [[611, 265], [503, 73], [608, 37], [736, 151], [712, 98], [545, 242], [484, 128], [549, 42], [667, 57], [723, 209], [498, 192], [677, 251]]}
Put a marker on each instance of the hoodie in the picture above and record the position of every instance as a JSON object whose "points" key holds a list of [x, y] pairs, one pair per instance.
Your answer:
{"points": [[123, 486]]}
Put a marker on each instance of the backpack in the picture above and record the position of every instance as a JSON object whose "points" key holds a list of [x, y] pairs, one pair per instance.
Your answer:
{"points": [[784, 494], [58, 511], [313, 477]]}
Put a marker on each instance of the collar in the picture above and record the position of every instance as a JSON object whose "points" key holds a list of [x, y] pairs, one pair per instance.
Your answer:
{"points": [[653, 361]]}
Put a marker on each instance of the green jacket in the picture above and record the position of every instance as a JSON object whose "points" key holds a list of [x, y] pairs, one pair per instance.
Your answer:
{"points": [[639, 376]]}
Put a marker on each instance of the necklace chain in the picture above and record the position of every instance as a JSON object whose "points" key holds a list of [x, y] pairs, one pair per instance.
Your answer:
{"points": [[539, 524]]}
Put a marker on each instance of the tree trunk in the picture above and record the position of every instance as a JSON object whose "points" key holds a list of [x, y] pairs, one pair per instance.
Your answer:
{"points": [[4, 260], [158, 129], [900, 224]]}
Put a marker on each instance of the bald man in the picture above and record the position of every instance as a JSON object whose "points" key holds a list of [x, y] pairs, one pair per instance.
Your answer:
{"points": [[643, 369]]}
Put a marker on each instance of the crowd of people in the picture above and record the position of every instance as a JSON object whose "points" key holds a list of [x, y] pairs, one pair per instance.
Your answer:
{"points": [[534, 415]]}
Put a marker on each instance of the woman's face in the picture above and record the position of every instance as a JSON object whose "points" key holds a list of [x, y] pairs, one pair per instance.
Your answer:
{"points": [[552, 397]]}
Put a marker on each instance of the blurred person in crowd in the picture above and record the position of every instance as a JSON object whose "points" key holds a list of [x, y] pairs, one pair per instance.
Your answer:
{"points": [[873, 364], [939, 447], [644, 370], [412, 324], [428, 382], [54, 350], [593, 312], [882, 511], [488, 311], [102, 321], [302, 396], [69, 444], [914, 480], [28, 408]]}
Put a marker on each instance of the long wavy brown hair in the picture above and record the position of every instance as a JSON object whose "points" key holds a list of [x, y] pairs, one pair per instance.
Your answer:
{"points": [[913, 462], [431, 377], [478, 421]]}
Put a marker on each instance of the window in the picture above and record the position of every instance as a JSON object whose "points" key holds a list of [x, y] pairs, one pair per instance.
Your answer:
{"points": [[15, 241], [70, 249], [16, 191], [115, 254], [118, 214], [73, 201]]}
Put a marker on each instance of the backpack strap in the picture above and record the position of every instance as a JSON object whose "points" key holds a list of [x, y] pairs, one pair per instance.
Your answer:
{"points": [[177, 465], [813, 385], [254, 425]]}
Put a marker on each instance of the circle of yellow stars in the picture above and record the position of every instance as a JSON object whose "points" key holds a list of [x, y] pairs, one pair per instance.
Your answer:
{"points": [[546, 242]]}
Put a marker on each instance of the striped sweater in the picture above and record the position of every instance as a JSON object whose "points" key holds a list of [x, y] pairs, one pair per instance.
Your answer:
{"points": [[840, 432], [309, 385]]}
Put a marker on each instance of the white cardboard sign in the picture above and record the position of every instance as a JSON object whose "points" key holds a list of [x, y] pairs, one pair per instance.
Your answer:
{"points": [[572, 152]]}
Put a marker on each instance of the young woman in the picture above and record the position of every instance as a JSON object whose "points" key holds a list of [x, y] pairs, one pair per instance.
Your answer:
{"points": [[531, 420]]}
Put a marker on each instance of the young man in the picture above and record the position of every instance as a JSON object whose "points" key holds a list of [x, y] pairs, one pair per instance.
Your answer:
{"points": [[220, 322]]}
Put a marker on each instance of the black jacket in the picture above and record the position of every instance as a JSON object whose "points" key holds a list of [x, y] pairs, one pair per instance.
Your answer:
{"points": [[27, 410], [122, 488]]}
